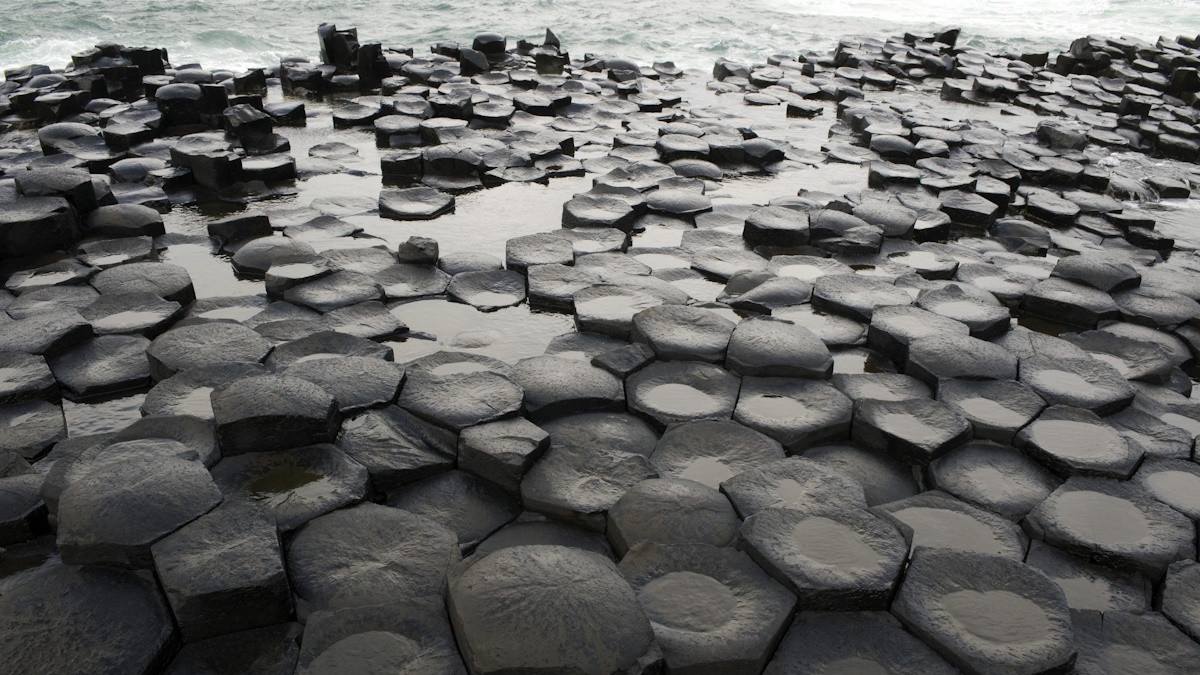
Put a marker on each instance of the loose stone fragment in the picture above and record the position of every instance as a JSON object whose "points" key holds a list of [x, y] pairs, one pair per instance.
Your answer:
{"points": [[600, 625], [368, 555], [711, 608], [986, 614]]}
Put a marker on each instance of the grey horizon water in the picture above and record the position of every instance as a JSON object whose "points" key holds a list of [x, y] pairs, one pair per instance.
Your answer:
{"points": [[238, 34]]}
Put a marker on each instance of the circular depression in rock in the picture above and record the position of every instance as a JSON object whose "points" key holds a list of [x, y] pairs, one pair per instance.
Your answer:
{"points": [[997, 616], [828, 542], [688, 601]]}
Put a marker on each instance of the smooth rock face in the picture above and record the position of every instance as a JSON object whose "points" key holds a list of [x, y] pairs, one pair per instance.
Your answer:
{"points": [[914, 430], [114, 514], [223, 573], [710, 608], [986, 614], [84, 619], [1082, 383], [272, 412], [853, 642], [555, 387], [683, 333], [671, 511], [368, 555], [460, 401], [670, 392], [1114, 523], [832, 558], [996, 409], [499, 605]]}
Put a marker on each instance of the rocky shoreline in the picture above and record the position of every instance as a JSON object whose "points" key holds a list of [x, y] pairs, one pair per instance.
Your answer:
{"points": [[498, 359]]}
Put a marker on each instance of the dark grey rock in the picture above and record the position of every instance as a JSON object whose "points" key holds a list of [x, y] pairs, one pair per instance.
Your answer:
{"points": [[188, 392], [204, 345], [996, 477], [488, 291], [682, 333], [169, 282], [935, 358], [30, 427], [259, 651], [502, 451], [139, 313], [397, 447], [711, 451], [470, 507], [893, 329], [1181, 590], [223, 573], [24, 377], [793, 483], [996, 409], [913, 430], [462, 400], [863, 641], [798, 413], [609, 309], [856, 296], [711, 608], [1114, 640], [986, 614], [934, 520], [555, 387], [671, 511], [1173, 482], [325, 345], [670, 392], [368, 555], [777, 348], [882, 478], [881, 386], [1105, 272], [1073, 441], [1089, 586], [602, 627], [412, 634], [48, 334], [356, 382], [105, 365], [273, 412], [579, 484], [296, 485], [1069, 302]]}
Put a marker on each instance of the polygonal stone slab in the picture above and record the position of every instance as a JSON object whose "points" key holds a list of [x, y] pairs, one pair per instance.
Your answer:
{"points": [[711, 608], [48, 334], [105, 365], [1082, 383], [463, 400], [30, 427], [1114, 641], [610, 309], [324, 345], [792, 483], [996, 477], [769, 347], [189, 392], [711, 451], [1173, 482], [468, 506], [671, 511], [114, 514], [996, 409], [498, 607], [203, 345], [1072, 441], [413, 635], [1113, 523], [488, 291], [935, 520], [223, 573], [670, 392], [880, 386], [820, 642], [169, 282], [940, 357], [502, 451], [683, 333], [356, 382], [84, 619], [1089, 586], [272, 412], [986, 614], [296, 485], [139, 313], [893, 329], [1181, 596], [334, 291], [555, 387], [914, 430], [883, 479], [273, 647], [798, 413], [416, 203], [396, 446], [22, 511], [831, 557], [614, 431], [368, 555], [24, 377], [579, 485], [856, 296]]}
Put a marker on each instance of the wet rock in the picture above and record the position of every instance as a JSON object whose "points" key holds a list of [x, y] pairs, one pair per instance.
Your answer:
{"points": [[893, 329], [368, 555], [1172, 482], [670, 392], [1083, 383], [996, 477], [579, 484], [188, 392], [1179, 596], [777, 348], [462, 400], [603, 628], [502, 452], [880, 386], [74, 185], [1154, 307], [272, 412], [934, 520], [599, 210], [31, 226], [913, 430], [30, 427], [856, 296], [49, 299], [1101, 271], [832, 558], [1156, 437], [324, 345], [1089, 586], [25, 377], [1114, 640], [936, 358], [469, 506], [671, 511], [169, 282], [1113, 523], [985, 320], [826, 641], [711, 451], [256, 256], [881, 478], [1073, 441], [396, 446], [22, 511], [996, 409], [797, 413], [556, 386], [223, 573], [271, 649], [610, 309], [793, 483], [710, 608], [401, 282], [48, 333], [356, 382], [682, 333], [74, 459], [334, 291], [204, 345], [986, 613], [295, 485], [107, 364], [46, 277], [413, 634], [1069, 302], [93, 618], [538, 249], [140, 313], [488, 291], [114, 514]]}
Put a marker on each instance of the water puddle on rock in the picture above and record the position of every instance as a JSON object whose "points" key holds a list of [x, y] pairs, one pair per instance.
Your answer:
{"points": [[129, 318], [1077, 440], [828, 542], [688, 601], [1176, 487], [709, 471], [942, 528], [680, 399], [84, 419], [1101, 518], [990, 411], [1084, 593], [1000, 617], [910, 428], [508, 334], [282, 479], [776, 407]]}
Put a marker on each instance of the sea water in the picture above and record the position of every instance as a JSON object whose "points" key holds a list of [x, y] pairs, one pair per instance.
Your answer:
{"points": [[239, 34]]}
